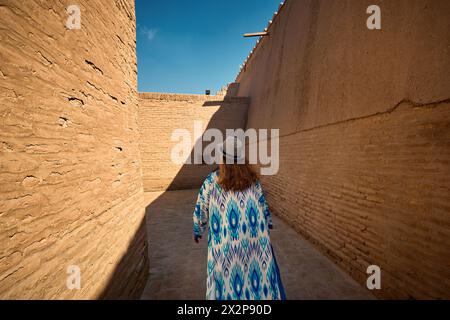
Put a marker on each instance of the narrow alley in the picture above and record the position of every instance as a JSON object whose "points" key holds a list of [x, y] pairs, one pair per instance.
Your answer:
{"points": [[178, 264]]}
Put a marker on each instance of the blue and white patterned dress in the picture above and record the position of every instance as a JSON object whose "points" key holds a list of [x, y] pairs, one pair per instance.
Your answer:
{"points": [[241, 262]]}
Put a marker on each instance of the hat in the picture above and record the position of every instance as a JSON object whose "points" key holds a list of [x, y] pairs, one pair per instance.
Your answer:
{"points": [[232, 143]]}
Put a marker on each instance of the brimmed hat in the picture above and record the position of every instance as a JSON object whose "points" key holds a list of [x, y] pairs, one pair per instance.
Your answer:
{"points": [[232, 143]]}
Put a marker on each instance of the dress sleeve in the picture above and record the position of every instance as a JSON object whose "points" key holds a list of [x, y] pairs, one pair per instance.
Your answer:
{"points": [[201, 211], [264, 205]]}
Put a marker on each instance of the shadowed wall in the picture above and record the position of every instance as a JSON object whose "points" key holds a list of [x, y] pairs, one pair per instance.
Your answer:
{"points": [[364, 118]]}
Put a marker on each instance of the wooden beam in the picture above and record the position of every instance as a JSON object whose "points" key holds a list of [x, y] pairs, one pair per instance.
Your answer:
{"points": [[256, 34]]}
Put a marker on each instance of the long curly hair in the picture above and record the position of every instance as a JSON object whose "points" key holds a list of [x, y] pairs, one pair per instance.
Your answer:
{"points": [[236, 177]]}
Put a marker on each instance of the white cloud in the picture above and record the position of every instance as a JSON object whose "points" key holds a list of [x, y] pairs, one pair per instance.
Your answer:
{"points": [[150, 33]]}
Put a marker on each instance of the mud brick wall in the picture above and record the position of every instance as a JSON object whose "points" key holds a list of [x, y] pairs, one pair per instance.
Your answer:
{"points": [[364, 120], [160, 114], [70, 174]]}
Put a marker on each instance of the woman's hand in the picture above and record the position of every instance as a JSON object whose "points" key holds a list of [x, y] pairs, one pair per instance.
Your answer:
{"points": [[196, 238]]}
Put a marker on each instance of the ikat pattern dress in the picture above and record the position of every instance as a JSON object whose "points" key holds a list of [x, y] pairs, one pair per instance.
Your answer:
{"points": [[241, 262]]}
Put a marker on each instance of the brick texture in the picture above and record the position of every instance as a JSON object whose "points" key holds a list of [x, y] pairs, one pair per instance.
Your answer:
{"points": [[160, 114], [70, 173], [364, 119], [365, 197]]}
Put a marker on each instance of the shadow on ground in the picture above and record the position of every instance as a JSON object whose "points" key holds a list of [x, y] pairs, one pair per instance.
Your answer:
{"points": [[177, 263]]}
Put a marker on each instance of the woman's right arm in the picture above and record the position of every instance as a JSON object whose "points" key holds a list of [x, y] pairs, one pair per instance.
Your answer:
{"points": [[201, 211]]}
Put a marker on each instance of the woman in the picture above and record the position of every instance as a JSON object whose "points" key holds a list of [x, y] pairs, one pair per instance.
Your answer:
{"points": [[241, 262]]}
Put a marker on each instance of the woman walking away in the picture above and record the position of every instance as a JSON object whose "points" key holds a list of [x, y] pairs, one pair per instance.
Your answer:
{"points": [[231, 204]]}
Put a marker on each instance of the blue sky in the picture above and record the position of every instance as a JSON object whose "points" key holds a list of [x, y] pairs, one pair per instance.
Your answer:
{"points": [[188, 46]]}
